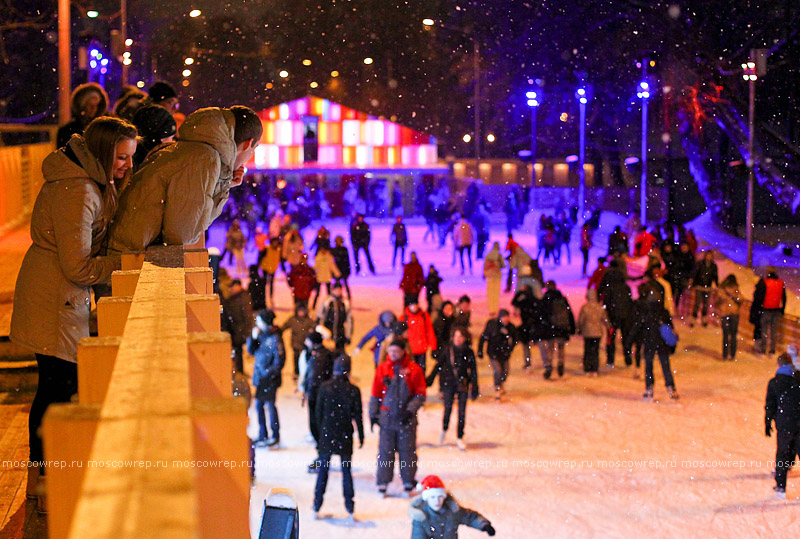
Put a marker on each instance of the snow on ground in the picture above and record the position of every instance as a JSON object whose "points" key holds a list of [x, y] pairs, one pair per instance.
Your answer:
{"points": [[571, 457]]}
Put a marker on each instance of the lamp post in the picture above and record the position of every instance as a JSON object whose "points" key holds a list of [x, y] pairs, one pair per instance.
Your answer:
{"points": [[643, 93], [583, 98], [64, 66], [533, 103], [750, 75]]}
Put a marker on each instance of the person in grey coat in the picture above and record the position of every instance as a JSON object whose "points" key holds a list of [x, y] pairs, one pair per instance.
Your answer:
{"points": [[435, 514], [592, 324]]}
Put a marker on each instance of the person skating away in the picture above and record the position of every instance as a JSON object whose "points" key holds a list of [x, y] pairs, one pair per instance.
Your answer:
{"points": [[770, 296], [420, 332], [433, 294], [257, 289], [463, 312], [326, 270], [562, 323], [783, 407], [335, 314], [302, 281], [381, 331], [398, 392], [235, 242], [597, 275], [728, 303], [300, 326], [237, 319], [458, 378], [359, 237], [338, 407], [511, 247], [399, 238], [341, 257], [587, 232], [705, 278], [322, 241], [592, 325], [462, 240], [649, 328], [493, 274], [435, 514], [269, 265], [412, 281], [500, 337], [265, 346], [617, 299], [185, 186], [525, 304], [316, 367]]}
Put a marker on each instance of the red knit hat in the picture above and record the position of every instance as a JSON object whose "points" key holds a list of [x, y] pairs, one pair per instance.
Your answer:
{"points": [[431, 486]]}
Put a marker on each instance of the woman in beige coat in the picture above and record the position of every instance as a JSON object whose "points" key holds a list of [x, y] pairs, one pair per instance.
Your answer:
{"points": [[68, 225], [493, 273], [326, 269]]}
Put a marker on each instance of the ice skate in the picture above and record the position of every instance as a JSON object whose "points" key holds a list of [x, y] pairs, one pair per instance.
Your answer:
{"points": [[781, 492], [316, 514], [461, 445], [648, 394], [441, 437], [673, 394], [350, 519], [497, 394], [560, 370], [548, 372], [382, 491]]}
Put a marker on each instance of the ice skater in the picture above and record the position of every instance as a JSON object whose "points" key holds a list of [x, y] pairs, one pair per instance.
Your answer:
{"points": [[435, 514], [501, 337], [783, 407]]}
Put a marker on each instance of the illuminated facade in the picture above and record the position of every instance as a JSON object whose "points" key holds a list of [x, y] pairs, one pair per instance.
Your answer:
{"points": [[315, 135]]}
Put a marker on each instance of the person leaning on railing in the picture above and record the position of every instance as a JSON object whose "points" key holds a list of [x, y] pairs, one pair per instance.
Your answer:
{"points": [[52, 298]]}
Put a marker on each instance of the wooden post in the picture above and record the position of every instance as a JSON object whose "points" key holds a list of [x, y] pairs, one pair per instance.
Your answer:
{"points": [[96, 358], [210, 367], [112, 313]]}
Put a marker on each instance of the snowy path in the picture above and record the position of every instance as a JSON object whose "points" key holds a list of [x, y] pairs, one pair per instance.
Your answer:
{"points": [[575, 457]]}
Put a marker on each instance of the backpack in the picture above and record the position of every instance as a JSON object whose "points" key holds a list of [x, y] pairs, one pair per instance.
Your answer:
{"points": [[560, 318], [668, 335]]}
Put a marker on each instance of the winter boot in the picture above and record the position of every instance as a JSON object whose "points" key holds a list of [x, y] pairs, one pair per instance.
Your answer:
{"points": [[560, 370], [780, 491], [548, 372], [382, 491], [274, 442], [461, 445], [673, 394], [648, 394]]}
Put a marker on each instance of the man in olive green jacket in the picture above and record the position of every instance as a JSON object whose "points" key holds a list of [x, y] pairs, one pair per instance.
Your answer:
{"points": [[182, 186]]}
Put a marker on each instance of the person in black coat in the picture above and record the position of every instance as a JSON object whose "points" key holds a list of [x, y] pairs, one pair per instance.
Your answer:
{"points": [[525, 304], [266, 347], [458, 376], [648, 329], [319, 369], [501, 337], [257, 288], [359, 237], [616, 296], [342, 259], [399, 237], [338, 406], [783, 407], [562, 324]]}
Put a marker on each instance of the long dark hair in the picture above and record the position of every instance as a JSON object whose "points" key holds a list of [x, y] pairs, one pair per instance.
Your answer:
{"points": [[102, 136]]}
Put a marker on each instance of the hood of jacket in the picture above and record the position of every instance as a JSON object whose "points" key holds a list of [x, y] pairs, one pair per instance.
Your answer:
{"points": [[418, 507], [59, 166], [213, 126], [387, 318]]}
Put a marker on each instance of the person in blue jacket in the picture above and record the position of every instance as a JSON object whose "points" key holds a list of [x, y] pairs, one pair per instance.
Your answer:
{"points": [[265, 345], [380, 332]]}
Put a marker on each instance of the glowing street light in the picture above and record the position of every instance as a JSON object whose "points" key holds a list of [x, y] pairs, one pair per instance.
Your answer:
{"points": [[334, 74], [187, 72], [368, 60], [467, 137], [306, 62], [427, 22], [643, 93], [283, 74], [92, 14], [188, 61], [128, 42], [583, 98], [490, 137], [314, 84], [533, 103], [195, 13]]}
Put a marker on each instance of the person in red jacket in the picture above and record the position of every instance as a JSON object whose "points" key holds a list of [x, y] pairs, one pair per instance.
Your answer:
{"points": [[420, 332], [398, 391], [413, 280], [597, 276], [643, 243], [770, 297], [302, 280]]}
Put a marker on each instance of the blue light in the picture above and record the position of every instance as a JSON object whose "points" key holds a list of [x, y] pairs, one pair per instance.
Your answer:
{"points": [[104, 62], [531, 95], [93, 64], [93, 53]]}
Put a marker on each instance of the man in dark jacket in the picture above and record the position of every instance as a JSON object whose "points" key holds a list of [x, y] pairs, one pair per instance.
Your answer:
{"points": [[458, 376], [501, 337], [359, 237], [398, 392], [399, 238], [648, 329], [616, 296], [300, 325], [705, 276], [341, 257], [338, 406], [435, 514], [237, 319], [335, 314], [413, 280], [562, 325], [770, 297], [783, 407], [318, 370], [525, 303], [267, 351]]}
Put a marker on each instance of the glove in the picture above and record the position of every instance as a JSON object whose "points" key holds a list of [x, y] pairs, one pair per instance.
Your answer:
{"points": [[372, 422], [406, 417], [768, 429], [488, 529]]}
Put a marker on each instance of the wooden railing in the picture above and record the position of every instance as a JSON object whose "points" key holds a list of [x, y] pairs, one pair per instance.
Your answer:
{"points": [[156, 446]]}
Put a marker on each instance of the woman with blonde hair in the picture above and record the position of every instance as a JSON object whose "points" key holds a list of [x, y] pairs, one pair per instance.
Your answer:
{"points": [[68, 227]]}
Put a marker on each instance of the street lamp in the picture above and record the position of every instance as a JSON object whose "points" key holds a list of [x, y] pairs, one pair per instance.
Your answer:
{"points": [[751, 76], [643, 93], [476, 68], [583, 98], [533, 103]]}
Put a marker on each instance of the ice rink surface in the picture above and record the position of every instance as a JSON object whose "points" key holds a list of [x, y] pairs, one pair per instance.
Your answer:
{"points": [[569, 457]]}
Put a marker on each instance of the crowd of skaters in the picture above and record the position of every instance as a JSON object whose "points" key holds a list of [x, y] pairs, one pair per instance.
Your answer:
{"points": [[130, 185]]}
